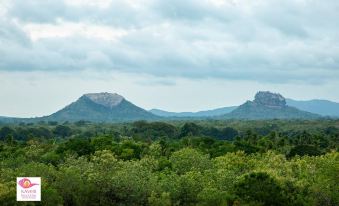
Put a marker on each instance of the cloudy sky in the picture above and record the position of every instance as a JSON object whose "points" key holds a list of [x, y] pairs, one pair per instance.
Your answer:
{"points": [[177, 55]]}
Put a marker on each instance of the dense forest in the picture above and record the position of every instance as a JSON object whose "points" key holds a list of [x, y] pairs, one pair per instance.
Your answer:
{"points": [[276, 162]]}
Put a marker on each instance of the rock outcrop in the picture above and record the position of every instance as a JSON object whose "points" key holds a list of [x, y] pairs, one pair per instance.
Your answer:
{"points": [[268, 105], [105, 99], [270, 99]]}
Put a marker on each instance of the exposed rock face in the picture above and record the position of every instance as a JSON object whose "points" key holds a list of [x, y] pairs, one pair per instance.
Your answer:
{"points": [[105, 99], [269, 99]]}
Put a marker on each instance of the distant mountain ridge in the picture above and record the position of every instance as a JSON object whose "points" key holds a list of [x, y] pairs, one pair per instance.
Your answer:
{"points": [[317, 106], [206, 113], [108, 107], [320, 107]]}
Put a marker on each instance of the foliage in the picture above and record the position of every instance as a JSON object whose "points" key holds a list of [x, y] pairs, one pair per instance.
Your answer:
{"points": [[261, 189], [174, 163]]}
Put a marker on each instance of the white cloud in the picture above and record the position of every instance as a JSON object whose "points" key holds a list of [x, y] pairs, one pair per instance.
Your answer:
{"points": [[98, 3], [69, 29]]}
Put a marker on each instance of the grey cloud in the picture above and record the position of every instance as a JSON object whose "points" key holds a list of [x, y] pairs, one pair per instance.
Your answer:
{"points": [[118, 13], [10, 32], [161, 82], [193, 10], [188, 39], [37, 11]]}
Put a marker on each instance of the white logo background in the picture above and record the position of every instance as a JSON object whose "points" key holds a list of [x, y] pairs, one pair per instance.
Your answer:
{"points": [[29, 194]]}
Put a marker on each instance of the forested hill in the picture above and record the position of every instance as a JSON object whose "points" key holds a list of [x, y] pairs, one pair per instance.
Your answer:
{"points": [[101, 107]]}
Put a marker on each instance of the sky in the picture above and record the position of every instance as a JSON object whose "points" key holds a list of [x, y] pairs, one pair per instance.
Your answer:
{"points": [[176, 55]]}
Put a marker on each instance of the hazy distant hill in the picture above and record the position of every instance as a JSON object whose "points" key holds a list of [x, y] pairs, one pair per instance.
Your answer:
{"points": [[267, 105], [322, 107], [207, 113], [107, 107], [101, 107], [12, 119], [3, 119]]}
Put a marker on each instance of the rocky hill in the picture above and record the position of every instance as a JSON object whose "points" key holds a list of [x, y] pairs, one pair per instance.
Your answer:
{"points": [[101, 107], [268, 105]]}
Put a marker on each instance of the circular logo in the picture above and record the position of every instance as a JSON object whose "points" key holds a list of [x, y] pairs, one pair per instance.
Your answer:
{"points": [[26, 183]]}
